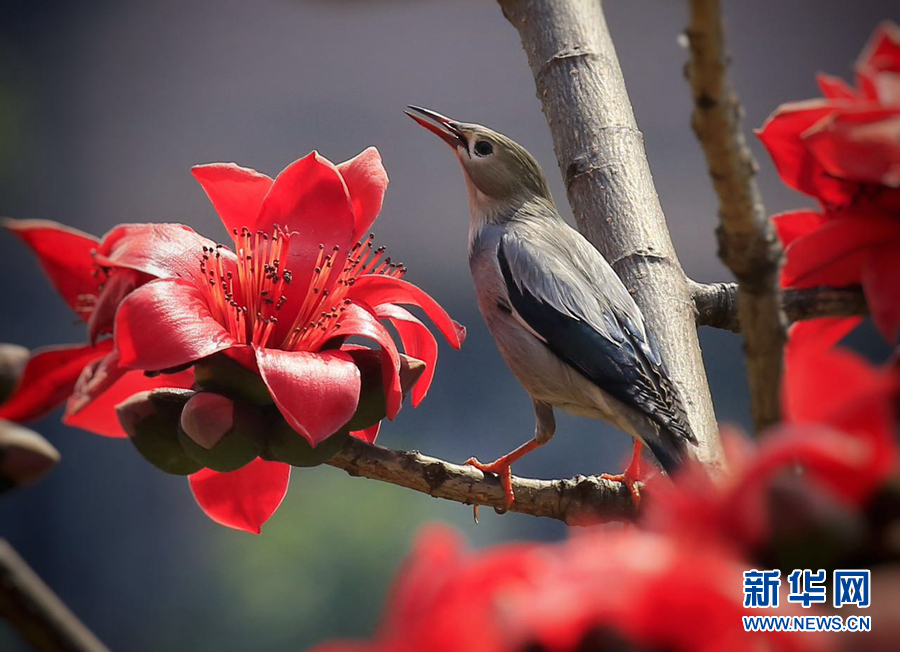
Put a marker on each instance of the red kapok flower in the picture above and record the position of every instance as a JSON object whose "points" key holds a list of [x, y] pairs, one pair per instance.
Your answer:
{"points": [[299, 282], [845, 151], [839, 424], [601, 590]]}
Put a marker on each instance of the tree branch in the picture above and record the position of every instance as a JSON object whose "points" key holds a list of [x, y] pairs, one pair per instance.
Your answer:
{"points": [[747, 241], [717, 303], [36, 612], [577, 501], [607, 176]]}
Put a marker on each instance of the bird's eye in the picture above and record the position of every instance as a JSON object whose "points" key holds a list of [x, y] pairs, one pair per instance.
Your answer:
{"points": [[484, 148]]}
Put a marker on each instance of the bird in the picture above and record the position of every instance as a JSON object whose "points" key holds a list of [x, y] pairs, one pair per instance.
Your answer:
{"points": [[561, 317]]}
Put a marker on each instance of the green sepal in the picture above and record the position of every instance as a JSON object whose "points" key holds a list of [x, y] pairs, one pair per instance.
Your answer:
{"points": [[372, 406], [284, 444], [224, 375]]}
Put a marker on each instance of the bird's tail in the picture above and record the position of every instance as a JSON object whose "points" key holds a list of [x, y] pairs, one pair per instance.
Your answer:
{"points": [[669, 449], [670, 457]]}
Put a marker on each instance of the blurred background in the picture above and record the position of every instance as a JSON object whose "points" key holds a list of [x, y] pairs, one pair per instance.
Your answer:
{"points": [[104, 107]]}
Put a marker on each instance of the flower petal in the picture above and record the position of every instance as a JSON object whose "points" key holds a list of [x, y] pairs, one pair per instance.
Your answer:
{"points": [[66, 255], [236, 192], [835, 88], [119, 284], [310, 198], [366, 181], [851, 467], [882, 52], [103, 385], [782, 135], [880, 282], [361, 321], [167, 323], [162, 250], [834, 253], [808, 391], [375, 289], [417, 342], [878, 67], [368, 434], [859, 404], [242, 499], [316, 392], [49, 378], [861, 146], [793, 224]]}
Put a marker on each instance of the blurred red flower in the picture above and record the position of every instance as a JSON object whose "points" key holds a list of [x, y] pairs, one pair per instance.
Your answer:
{"points": [[840, 433], [600, 590], [844, 150]]}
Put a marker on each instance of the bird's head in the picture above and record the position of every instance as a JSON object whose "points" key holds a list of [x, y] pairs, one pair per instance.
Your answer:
{"points": [[498, 170]]}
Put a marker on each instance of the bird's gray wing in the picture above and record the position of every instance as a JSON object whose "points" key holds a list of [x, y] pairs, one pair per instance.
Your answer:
{"points": [[565, 291]]}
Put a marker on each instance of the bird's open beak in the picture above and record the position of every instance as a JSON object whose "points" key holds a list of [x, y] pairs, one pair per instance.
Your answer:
{"points": [[441, 125]]}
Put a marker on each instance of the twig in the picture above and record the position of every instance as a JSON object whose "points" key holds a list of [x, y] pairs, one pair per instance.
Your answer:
{"points": [[716, 303], [576, 501], [747, 241], [39, 615], [601, 156]]}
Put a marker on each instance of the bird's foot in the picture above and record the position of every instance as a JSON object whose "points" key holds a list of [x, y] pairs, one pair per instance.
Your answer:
{"points": [[632, 474], [502, 468]]}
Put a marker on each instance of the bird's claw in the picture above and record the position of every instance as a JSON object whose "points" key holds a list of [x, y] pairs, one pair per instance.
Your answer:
{"points": [[629, 481], [503, 471]]}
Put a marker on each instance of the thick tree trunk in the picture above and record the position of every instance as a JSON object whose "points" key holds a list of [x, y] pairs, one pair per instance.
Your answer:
{"points": [[602, 159]]}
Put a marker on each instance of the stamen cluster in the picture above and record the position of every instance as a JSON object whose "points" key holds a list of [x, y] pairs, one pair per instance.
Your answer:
{"points": [[250, 294]]}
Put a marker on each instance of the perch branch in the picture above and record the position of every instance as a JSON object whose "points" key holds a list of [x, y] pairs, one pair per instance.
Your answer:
{"points": [[36, 612], [717, 304], [601, 156], [747, 241], [579, 500]]}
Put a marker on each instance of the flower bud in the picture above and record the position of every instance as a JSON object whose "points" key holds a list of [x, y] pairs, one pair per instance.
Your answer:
{"points": [[411, 369], [12, 363], [24, 455], [220, 433], [151, 420], [284, 444]]}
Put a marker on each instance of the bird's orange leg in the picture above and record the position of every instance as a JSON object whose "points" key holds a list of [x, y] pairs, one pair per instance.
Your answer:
{"points": [[632, 473], [502, 467]]}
